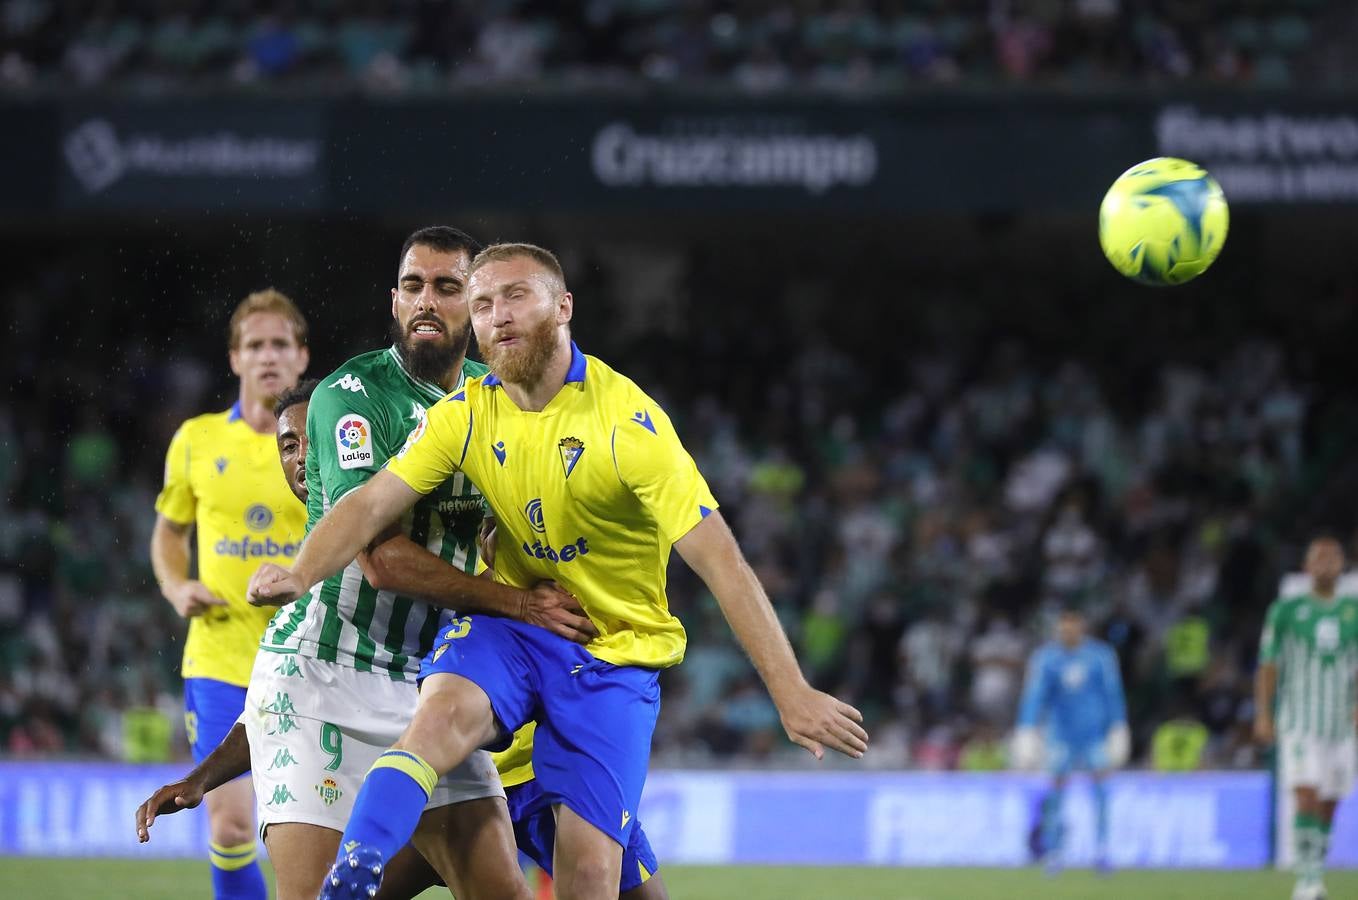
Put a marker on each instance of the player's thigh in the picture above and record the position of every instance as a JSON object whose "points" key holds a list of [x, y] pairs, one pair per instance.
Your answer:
{"points": [[452, 719], [471, 844], [587, 860], [1300, 766], [653, 888], [1337, 774], [301, 854], [480, 681]]}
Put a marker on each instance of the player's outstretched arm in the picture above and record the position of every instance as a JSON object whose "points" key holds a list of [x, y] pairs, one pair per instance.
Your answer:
{"points": [[341, 533], [812, 719], [394, 562], [230, 760]]}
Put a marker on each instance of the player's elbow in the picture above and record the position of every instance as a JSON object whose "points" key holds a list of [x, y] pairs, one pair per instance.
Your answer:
{"points": [[377, 569]]}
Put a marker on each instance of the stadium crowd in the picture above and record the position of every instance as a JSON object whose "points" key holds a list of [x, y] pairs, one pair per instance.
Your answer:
{"points": [[751, 45], [917, 519]]}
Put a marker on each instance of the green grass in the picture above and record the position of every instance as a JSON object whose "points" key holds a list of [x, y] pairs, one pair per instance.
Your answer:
{"points": [[87, 879]]}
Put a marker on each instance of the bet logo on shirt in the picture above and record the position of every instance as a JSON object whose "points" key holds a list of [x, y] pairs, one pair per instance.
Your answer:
{"points": [[353, 442]]}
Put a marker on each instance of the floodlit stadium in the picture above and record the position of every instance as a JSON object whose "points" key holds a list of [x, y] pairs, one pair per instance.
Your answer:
{"points": [[659, 449]]}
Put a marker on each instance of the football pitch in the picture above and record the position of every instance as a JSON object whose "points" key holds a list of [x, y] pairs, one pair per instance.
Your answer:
{"points": [[82, 879]]}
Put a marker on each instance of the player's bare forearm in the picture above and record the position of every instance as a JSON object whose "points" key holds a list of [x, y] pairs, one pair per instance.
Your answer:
{"points": [[394, 562], [813, 719], [349, 527], [711, 550], [169, 553], [1265, 685], [230, 760]]}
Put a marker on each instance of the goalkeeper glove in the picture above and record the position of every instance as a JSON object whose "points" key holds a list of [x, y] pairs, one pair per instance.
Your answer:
{"points": [[1027, 749], [1118, 745]]}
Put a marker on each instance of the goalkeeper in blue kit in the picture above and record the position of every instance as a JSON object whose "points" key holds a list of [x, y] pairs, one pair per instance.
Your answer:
{"points": [[1073, 708]]}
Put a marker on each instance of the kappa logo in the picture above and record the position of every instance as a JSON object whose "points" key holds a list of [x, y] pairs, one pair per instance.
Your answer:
{"points": [[353, 441], [351, 383]]}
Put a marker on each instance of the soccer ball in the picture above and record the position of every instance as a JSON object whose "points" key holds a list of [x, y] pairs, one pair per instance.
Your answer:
{"points": [[1163, 221]]}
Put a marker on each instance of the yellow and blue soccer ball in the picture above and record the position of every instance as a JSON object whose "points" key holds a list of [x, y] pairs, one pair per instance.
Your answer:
{"points": [[1163, 221]]}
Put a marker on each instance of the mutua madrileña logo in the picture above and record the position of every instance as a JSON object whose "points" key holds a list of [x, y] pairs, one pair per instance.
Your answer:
{"points": [[99, 156]]}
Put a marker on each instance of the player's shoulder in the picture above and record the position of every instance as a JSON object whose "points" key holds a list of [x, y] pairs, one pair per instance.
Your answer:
{"points": [[1101, 648], [355, 384], [472, 368], [209, 425]]}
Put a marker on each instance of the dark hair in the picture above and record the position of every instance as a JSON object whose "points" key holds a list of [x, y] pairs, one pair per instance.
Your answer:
{"points": [[295, 395], [444, 238]]}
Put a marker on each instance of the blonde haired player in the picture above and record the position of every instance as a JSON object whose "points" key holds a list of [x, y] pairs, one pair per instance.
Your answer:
{"points": [[592, 488], [223, 484], [1308, 658]]}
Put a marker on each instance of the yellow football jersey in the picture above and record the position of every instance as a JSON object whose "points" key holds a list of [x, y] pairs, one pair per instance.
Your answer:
{"points": [[224, 477], [592, 492]]}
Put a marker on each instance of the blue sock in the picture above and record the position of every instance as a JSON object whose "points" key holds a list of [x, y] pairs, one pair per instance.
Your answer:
{"points": [[1100, 817], [236, 874], [390, 804], [1052, 826]]}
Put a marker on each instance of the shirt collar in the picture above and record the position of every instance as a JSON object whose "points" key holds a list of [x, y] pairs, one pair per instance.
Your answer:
{"points": [[574, 375], [235, 414]]}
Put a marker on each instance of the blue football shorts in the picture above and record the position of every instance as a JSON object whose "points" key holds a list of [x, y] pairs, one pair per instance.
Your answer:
{"points": [[211, 708], [595, 719]]}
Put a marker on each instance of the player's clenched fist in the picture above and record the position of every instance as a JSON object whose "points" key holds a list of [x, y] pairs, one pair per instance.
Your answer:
{"points": [[273, 585], [815, 720]]}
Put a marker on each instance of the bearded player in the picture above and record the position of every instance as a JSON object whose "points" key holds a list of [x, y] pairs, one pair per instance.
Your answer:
{"points": [[591, 487], [1308, 659], [222, 484], [409, 874]]}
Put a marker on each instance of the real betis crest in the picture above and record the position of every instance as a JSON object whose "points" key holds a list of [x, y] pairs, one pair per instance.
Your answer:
{"points": [[571, 451], [329, 791]]}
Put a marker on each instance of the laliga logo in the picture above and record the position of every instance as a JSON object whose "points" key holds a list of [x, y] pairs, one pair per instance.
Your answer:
{"points": [[352, 434]]}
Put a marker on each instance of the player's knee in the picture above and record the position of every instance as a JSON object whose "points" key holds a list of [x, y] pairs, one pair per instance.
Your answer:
{"points": [[590, 875], [230, 829]]}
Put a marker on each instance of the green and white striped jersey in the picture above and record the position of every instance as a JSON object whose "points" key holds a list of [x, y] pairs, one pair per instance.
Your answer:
{"points": [[1314, 644], [360, 416]]}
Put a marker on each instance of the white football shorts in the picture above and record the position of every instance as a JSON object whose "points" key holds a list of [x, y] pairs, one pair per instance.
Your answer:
{"points": [[315, 729]]}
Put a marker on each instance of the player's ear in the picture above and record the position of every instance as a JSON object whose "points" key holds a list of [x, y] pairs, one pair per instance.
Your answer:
{"points": [[304, 356], [565, 308], [393, 303], [234, 357]]}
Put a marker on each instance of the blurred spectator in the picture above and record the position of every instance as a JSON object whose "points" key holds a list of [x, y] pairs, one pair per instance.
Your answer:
{"points": [[1178, 745]]}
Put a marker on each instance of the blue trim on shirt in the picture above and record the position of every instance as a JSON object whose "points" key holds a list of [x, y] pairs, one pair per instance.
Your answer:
{"points": [[574, 375], [235, 413]]}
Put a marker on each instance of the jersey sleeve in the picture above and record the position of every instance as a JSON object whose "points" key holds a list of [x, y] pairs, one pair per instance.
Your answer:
{"points": [[437, 447], [350, 436], [653, 464], [1034, 691], [176, 500], [1270, 642], [1113, 698]]}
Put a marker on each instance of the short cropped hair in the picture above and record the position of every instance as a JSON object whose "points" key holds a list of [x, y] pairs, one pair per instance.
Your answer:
{"points": [[444, 238], [295, 395], [269, 300], [540, 255]]}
